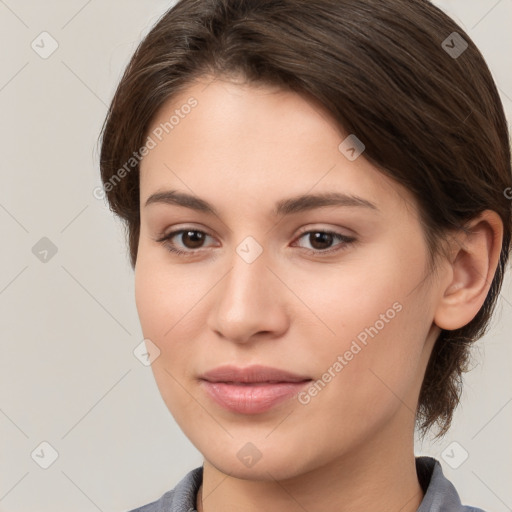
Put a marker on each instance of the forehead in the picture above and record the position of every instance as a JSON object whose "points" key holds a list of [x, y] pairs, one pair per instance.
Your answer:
{"points": [[248, 142]]}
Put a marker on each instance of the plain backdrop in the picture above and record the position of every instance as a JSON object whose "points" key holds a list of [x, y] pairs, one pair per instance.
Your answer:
{"points": [[69, 325]]}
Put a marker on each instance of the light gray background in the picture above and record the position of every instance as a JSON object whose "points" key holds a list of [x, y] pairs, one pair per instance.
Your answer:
{"points": [[68, 326]]}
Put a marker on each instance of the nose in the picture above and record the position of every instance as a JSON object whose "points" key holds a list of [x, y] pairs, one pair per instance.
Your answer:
{"points": [[249, 302]]}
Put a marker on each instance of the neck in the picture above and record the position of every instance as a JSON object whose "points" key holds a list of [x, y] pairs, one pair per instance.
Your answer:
{"points": [[378, 475]]}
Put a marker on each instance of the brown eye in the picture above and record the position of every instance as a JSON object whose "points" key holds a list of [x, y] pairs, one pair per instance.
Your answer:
{"points": [[322, 241], [189, 241], [192, 239]]}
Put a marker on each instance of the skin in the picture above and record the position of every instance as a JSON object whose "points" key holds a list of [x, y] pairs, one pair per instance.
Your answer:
{"points": [[243, 148]]}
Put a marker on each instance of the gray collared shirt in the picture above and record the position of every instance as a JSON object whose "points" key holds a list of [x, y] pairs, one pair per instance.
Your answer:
{"points": [[440, 494]]}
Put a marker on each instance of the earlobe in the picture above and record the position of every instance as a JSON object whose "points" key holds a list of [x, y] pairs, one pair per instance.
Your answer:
{"points": [[473, 264]]}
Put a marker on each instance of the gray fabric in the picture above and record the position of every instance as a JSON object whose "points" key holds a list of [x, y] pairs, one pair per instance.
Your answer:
{"points": [[180, 499], [440, 494]]}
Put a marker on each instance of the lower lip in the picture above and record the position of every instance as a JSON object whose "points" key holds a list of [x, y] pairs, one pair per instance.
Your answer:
{"points": [[251, 398]]}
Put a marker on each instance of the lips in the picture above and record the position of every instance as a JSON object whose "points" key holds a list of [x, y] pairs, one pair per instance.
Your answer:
{"points": [[251, 390], [251, 374]]}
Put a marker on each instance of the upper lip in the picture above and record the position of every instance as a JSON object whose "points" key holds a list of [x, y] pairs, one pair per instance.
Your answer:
{"points": [[254, 373]]}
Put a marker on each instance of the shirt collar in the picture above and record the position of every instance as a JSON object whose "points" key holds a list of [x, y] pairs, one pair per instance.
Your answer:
{"points": [[440, 494]]}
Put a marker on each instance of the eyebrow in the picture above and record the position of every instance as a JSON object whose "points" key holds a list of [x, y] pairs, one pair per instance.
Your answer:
{"points": [[283, 207]]}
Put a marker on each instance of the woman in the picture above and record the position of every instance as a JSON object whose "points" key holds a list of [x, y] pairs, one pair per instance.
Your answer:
{"points": [[315, 199]]}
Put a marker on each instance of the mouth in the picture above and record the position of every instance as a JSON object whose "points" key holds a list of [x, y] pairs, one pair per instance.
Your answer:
{"points": [[252, 375], [251, 390]]}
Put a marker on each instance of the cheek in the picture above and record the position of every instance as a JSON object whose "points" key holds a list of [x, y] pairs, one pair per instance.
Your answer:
{"points": [[163, 292], [386, 372], [171, 315], [380, 326], [148, 299]]}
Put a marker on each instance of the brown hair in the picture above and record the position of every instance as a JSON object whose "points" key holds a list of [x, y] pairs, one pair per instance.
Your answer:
{"points": [[430, 118]]}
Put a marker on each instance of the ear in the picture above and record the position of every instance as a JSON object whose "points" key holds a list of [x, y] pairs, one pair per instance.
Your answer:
{"points": [[473, 262]]}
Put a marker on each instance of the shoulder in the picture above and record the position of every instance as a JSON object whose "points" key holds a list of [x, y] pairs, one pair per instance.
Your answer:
{"points": [[440, 493], [180, 499]]}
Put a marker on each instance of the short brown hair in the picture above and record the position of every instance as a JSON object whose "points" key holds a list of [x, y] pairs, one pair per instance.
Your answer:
{"points": [[430, 119]]}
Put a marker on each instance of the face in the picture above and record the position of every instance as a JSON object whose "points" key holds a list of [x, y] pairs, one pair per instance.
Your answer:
{"points": [[332, 292]]}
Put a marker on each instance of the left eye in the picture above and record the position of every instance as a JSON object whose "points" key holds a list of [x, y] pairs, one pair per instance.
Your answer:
{"points": [[319, 239], [192, 240]]}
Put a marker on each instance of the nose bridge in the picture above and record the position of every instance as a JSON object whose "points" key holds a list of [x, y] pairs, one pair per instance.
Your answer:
{"points": [[244, 288], [247, 302]]}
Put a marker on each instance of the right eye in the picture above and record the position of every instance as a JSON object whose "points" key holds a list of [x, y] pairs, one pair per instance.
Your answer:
{"points": [[191, 239]]}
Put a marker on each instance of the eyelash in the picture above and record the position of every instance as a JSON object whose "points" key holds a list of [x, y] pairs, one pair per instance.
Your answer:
{"points": [[346, 241]]}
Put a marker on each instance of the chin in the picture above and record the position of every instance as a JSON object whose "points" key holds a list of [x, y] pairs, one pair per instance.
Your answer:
{"points": [[265, 460], [278, 468]]}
